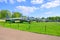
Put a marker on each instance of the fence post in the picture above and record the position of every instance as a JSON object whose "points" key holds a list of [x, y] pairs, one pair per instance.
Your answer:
{"points": [[18, 26], [45, 28], [29, 26]]}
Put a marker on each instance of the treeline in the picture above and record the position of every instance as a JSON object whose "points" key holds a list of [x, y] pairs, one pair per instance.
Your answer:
{"points": [[54, 19], [8, 14], [48, 19]]}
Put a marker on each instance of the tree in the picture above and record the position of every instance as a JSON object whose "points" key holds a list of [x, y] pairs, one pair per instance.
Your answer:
{"points": [[42, 18], [16, 15], [57, 18], [5, 13], [54, 19], [51, 19], [0, 14]]}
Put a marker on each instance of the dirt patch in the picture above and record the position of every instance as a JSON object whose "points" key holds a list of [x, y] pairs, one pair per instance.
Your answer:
{"points": [[11, 34]]}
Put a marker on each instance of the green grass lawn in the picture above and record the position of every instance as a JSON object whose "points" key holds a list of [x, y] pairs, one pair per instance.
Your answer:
{"points": [[51, 28]]}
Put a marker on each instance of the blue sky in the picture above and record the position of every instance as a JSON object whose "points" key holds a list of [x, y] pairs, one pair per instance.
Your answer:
{"points": [[34, 8]]}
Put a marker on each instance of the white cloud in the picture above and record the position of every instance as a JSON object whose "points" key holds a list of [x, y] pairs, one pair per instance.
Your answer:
{"points": [[26, 9], [21, 0], [51, 4], [36, 1], [48, 13], [11, 1]]}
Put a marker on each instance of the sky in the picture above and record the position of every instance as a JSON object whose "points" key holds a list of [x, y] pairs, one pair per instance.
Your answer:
{"points": [[32, 8]]}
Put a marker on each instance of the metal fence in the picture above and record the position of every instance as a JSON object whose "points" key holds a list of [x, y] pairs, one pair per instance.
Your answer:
{"points": [[40, 27]]}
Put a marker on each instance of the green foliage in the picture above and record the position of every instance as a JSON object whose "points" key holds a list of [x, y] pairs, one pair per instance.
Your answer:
{"points": [[5, 13], [57, 18], [16, 15], [42, 18], [0, 14]]}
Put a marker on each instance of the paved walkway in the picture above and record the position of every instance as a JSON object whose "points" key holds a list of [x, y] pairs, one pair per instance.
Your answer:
{"points": [[11, 34]]}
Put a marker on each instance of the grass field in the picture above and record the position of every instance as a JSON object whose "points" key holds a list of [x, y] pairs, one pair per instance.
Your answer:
{"points": [[51, 28]]}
